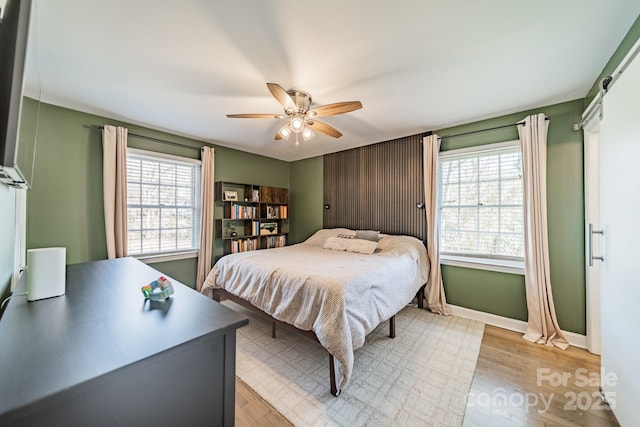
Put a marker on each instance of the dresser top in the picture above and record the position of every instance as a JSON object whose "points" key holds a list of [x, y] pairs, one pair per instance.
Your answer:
{"points": [[101, 324]]}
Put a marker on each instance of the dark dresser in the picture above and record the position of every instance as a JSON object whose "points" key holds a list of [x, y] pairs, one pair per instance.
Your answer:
{"points": [[101, 355]]}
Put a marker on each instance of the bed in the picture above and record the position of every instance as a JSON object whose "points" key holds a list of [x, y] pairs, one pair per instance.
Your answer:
{"points": [[333, 295]]}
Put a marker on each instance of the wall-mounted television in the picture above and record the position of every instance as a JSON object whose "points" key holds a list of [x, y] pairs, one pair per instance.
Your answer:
{"points": [[16, 152]]}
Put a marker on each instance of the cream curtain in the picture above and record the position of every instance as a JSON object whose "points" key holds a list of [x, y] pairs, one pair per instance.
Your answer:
{"points": [[206, 224], [434, 291], [542, 326], [114, 172]]}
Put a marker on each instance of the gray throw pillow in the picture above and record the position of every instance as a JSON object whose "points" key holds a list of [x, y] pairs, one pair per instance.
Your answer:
{"points": [[374, 236]]}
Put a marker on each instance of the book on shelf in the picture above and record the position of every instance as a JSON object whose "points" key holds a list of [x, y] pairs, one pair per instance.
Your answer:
{"points": [[276, 241], [276, 211], [244, 245], [242, 211]]}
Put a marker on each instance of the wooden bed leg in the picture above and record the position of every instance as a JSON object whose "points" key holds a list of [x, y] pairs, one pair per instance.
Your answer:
{"points": [[332, 375], [420, 297], [392, 326], [216, 296], [273, 329]]}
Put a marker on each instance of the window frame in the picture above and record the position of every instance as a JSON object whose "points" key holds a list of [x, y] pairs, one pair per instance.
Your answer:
{"points": [[175, 254], [499, 263]]}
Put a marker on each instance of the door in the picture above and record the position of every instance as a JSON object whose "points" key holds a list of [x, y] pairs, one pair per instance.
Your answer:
{"points": [[620, 221], [592, 226]]}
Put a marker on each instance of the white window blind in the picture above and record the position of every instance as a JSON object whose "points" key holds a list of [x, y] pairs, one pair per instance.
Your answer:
{"points": [[163, 203], [480, 199]]}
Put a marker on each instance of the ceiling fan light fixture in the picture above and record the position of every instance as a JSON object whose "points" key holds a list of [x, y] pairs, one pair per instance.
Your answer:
{"points": [[307, 133], [297, 124], [285, 131], [299, 115]]}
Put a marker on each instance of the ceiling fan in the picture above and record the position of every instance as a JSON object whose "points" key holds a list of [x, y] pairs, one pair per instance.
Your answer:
{"points": [[302, 119]]}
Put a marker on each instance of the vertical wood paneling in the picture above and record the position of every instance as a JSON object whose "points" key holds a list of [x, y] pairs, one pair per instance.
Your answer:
{"points": [[376, 187]]}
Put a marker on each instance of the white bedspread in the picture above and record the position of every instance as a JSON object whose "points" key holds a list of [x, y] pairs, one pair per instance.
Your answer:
{"points": [[341, 296]]}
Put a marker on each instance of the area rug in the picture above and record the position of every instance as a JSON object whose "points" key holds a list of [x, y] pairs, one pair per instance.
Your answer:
{"points": [[419, 378]]}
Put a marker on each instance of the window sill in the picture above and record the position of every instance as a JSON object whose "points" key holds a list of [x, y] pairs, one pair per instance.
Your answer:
{"points": [[172, 256], [499, 265]]}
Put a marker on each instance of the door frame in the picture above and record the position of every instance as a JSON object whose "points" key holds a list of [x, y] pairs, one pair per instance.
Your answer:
{"points": [[592, 241]]}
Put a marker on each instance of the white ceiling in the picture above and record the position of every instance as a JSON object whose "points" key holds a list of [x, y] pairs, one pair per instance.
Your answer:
{"points": [[416, 65]]}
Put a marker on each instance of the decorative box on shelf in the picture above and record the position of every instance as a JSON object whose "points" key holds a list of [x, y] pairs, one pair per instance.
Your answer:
{"points": [[230, 195], [268, 228]]}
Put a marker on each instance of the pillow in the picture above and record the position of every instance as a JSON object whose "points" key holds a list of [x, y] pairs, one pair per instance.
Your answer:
{"points": [[346, 236], [320, 237], [374, 236], [360, 246]]}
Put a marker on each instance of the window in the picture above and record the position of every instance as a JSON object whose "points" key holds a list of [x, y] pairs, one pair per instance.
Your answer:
{"points": [[20, 259], [163, 203], [480, 199]]}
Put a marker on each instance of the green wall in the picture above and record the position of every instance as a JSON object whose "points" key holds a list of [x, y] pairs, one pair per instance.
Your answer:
{"points": [[488, 291], [306, 198], [503, 294], [239, 166], [65, 205]]}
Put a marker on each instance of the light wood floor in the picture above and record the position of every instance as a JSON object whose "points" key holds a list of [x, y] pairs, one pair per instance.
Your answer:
{"points": [[568, 381], [516, 383]]}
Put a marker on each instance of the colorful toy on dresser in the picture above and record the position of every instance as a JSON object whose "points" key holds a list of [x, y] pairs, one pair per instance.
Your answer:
{"points": [[158, 290]]}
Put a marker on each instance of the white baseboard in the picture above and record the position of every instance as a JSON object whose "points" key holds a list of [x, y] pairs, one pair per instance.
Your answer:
{"points": [[574, 339]]}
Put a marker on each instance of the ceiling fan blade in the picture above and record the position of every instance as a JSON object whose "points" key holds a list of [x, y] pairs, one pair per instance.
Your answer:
{"points": [[282, 96], [336, 108], [278, 137], [255, 116], [324, 128]]}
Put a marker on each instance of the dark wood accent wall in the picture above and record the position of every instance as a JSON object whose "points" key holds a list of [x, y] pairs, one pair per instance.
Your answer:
{"points": [[376, 187]]}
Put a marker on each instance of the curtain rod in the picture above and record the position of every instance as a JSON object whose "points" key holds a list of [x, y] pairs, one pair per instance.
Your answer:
{"points": [[150, 138], [478, 130]]}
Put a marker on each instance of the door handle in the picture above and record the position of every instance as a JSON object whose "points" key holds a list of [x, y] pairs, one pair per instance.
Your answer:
{"points": [[591, 233]]}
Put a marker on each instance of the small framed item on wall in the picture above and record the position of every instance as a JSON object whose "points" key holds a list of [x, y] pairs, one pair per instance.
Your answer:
{"points": [[230, 195], [267, 228]]}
